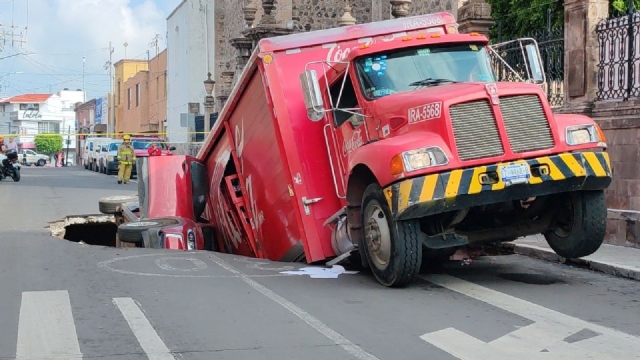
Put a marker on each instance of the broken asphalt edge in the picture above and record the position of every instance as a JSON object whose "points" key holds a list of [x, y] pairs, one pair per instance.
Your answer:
{"points": [[595, 265]]}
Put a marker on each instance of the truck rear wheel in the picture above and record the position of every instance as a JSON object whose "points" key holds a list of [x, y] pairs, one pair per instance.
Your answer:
{"points": [[393, 248], [580, 226]]}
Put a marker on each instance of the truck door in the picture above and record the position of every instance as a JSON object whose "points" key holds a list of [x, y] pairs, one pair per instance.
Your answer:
{"points": [[344, 130]]}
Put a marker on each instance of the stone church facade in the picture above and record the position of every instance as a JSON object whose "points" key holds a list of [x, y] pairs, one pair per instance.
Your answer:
{"points": [[241, 23]]}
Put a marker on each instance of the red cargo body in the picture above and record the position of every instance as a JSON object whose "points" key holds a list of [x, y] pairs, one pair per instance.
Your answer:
{"points": [[279, 156]]}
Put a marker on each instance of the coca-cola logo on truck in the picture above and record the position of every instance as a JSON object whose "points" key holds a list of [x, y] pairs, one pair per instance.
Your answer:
{"points": [[353, 143], [337, 53]]}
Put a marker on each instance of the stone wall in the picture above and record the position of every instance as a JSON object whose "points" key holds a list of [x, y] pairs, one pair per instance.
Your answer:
{"points": [[302, 15]]}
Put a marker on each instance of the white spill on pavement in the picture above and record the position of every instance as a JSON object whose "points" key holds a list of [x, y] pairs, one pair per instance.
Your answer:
{"points": [[46, 329], [351, 348], [543, 339], [320, 272], [148, 338]]}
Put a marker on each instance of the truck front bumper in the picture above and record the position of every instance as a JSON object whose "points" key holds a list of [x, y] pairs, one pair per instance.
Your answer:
{"points": [[484, 185]]}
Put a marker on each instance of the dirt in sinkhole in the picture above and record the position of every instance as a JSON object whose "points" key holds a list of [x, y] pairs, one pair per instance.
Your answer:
{"points": [[97, 230]]}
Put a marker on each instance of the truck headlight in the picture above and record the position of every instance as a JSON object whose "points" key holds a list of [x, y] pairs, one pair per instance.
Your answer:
{"points": [[191, 240], [418, 159], [110, 158], [585, 134]]}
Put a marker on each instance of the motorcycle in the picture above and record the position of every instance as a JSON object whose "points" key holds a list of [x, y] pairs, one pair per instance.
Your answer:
{"points": [[10, 165]]}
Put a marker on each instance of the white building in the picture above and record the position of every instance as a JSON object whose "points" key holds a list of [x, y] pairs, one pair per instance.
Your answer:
{"points": [[30, 114], [190, 56]]}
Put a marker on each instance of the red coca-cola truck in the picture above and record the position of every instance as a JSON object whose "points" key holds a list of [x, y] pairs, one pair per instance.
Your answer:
{"points": [[386, 145]]}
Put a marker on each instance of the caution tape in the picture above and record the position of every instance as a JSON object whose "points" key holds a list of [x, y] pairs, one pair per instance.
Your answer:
{"points": [[111, 135]]}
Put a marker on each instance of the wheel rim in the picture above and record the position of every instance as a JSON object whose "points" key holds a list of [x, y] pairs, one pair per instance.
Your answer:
{"points": [[142, 223], [378, 237]]}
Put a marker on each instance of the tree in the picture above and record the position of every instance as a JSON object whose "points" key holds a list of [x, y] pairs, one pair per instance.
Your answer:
{"points": [[620, 7], [518, 18], [48, 143]]}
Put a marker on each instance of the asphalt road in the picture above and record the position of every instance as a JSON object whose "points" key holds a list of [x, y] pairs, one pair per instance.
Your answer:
{"points": [[63, 300]]}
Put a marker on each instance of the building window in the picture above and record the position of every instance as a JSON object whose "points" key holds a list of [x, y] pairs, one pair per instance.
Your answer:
{"points": [[129, 98], [119, 89], [48, 127], [158, 87], [29, 106], [164, 86], [138, 95]]}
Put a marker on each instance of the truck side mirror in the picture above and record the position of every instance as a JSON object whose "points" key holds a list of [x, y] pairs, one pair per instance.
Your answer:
{"points": [[312, 95], [535, 63]]}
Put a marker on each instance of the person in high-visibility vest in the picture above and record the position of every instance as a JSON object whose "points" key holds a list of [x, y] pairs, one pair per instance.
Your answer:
{"points": [[126, 158]]}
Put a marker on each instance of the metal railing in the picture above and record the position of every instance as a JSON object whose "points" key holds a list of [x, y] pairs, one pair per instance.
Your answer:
{"points": [[619, 60], [551, 45]]}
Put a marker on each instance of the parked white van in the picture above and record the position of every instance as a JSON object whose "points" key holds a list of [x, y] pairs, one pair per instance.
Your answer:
{"points": [[89, 151], [106, 157]]}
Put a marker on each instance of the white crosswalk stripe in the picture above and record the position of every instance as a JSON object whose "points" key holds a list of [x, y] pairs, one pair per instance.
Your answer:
{"points": [[47, 331], [142, 329]]}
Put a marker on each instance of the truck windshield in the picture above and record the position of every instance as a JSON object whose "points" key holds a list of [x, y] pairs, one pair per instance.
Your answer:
{"points": [[396, 71]]}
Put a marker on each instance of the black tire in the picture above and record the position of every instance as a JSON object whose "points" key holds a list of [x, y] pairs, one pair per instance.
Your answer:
{"points": [[41, 162], [404, 241], [131, 232], [16, 175], [581, 227], [109, 205]]}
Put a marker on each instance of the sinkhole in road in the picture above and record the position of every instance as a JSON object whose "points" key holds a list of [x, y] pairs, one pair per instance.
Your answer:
{"points": [[97, 230]]}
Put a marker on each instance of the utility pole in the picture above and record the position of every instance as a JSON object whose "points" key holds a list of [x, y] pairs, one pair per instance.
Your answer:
{"points": [[154, 42], [84, 92], [66, 158], [111, 123]]}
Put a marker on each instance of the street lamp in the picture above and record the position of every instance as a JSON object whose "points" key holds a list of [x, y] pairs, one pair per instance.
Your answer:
{"points": [[209, 102]]}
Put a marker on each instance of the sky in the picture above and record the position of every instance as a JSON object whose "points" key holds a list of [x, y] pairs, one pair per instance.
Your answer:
{"points": [[59, 33]]}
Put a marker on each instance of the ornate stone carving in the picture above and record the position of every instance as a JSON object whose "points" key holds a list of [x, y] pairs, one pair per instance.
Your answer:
{"points": [[267, 17], [346, 19], [400, 8], [249, 11]]}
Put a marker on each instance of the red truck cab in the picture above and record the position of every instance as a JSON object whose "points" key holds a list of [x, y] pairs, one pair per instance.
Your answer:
{"points": [[397, 145]]}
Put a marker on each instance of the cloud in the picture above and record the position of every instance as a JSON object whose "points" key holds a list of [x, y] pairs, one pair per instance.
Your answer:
{"points": [[61, 32]]}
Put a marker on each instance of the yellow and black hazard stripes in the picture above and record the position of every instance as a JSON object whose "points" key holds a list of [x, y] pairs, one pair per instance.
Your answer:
{"points": [[445, 189]]}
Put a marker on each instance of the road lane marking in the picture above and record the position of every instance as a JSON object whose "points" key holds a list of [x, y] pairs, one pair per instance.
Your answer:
{"points": [[46, 329], [147, 337], [353, 349], [544, 339]]}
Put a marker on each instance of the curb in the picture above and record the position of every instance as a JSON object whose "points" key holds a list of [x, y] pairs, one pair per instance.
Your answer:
{"points": [[595, 265]]}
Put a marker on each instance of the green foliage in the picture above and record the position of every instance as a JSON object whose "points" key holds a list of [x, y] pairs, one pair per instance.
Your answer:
{"points": [[620, 7], [523, 17], [48, 143]]}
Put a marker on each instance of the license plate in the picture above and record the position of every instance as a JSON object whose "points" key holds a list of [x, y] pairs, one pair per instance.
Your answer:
{"points": [[515, 174]]}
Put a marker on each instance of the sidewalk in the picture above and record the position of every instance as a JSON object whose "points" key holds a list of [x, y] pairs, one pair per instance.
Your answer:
{"points": [[610, 259]]}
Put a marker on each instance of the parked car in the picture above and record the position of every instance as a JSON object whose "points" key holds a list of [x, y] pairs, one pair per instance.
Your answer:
{"points": [[107, 162], [30, 157]]}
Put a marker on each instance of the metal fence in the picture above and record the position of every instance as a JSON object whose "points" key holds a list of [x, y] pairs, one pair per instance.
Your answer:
{"points": [[551, 44], [619, 60]]}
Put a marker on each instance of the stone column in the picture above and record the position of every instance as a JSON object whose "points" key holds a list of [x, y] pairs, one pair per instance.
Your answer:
{"points": [[346, 19], [400, 8], [268, 25], [243, 48], [581, 46], [475, 16], [226, 85]]}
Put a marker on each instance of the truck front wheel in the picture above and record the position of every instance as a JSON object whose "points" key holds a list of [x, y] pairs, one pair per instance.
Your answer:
{"points": [[580, 226], [392, 248]]}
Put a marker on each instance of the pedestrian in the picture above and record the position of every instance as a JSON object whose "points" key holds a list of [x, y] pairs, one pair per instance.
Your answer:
{"points": [[12, 145], [62, 163], [55, 158], [154, 150], [126, 158]]}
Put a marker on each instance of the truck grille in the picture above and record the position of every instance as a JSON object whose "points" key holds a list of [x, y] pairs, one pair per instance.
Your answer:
{"points": [[475, 130], [526, 123]]}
